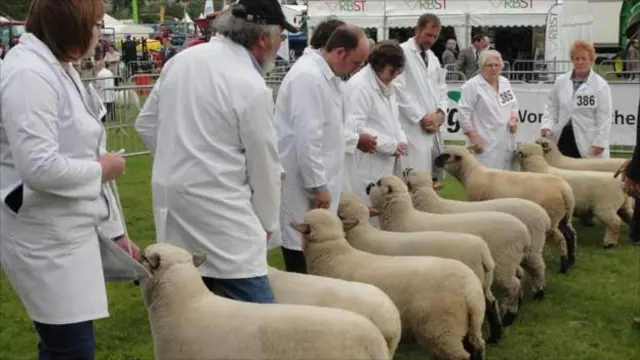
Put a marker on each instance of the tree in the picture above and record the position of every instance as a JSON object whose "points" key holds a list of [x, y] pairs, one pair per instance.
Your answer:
{"points": [[15, 9]]}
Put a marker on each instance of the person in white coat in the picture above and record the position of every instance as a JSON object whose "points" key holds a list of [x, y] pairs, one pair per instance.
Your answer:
{"points": [[56, 208], [216, 171], [488, 113], [577, 115], [374, 110], [421, 91], [578, 112], [310, 119], [105, 84]]}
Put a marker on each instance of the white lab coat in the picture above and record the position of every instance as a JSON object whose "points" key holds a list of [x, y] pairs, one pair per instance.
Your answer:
{"points": [[105, 85], [488, 112], [375, 114], [49, 250], [420, 90], [589, 109], [310, 120], [216, 174]]}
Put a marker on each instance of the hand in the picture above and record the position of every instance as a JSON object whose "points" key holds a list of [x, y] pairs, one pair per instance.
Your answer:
{"points": [[597, 150], [268, 236], [545, 132], [125, 243], [513, 128], [322, 200], [430, 122], [402, 149], [367, 143], [622, 169], [112, 164], [630, 187], [476, 141]]}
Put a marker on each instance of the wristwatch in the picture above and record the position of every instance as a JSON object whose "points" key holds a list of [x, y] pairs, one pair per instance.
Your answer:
{"points": [[118, 238]]}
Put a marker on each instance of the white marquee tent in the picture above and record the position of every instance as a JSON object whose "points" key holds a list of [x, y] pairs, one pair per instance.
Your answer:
{"points": [[462, 15]]}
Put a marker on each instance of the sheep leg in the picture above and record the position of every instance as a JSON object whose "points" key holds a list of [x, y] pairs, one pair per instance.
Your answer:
{"points": [[512, 287], [612, 222], [492, 314], [556, 237], [535, 267], [446, 344]]}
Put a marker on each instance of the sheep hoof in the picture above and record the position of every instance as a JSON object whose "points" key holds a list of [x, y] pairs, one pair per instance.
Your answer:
{"points": [[539, 295], [509, 318], [476, 354], [609, 246], [587, 221], [492, 314], [565, 264]]}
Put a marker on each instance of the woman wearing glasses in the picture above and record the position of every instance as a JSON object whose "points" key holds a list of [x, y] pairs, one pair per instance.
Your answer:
{"points": [[488, 113]]}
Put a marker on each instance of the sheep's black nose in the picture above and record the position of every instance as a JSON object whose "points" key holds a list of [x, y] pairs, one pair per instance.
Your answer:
{"points": [[368, 189]]}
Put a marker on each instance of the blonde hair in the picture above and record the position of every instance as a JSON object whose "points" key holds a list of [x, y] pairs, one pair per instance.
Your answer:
{"points": [[491, 54], [579, 46]]}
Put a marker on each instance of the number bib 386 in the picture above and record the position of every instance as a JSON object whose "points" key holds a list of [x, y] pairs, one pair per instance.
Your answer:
{"points": [[586, 101]]}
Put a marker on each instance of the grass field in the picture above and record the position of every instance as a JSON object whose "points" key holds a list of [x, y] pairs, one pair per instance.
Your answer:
{"points": [[586, 315]]}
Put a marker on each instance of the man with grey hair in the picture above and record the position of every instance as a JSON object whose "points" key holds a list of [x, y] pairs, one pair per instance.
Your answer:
{"points": [[216, 172]]}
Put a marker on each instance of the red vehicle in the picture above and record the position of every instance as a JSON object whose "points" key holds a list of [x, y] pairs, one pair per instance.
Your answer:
{"points": [[10, 32], [204, 26]]}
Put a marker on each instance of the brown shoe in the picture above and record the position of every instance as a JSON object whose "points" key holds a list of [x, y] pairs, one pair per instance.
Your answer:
{"points": [[636, 320]]}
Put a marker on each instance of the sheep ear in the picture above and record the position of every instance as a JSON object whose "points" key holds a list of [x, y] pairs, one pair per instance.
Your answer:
{"points": [[198, 258], [153, 260], [349, 224], [373, 212], [302, 228]]}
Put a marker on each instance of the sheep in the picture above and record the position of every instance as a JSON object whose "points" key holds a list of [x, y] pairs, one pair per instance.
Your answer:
{"points": [[597, 193], [467, 248], [555, 158], [551, 192], [506, 236], [440, 300], [127, 98], [189, 322], [538, 223], [367, 300]]}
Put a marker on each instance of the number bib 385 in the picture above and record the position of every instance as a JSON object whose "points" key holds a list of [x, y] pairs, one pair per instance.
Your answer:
{"points": [[505, 97], [586, 101]]}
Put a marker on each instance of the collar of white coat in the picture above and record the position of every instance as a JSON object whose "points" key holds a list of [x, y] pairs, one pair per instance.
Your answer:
{"points": [[240, 51], [413, 45], [589, 78], [324, 66], [482, 81], [34, 44], [375, 81]]}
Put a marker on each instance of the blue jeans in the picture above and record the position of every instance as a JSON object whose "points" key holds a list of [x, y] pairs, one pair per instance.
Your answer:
{"points": [[66, 341], [255, 289]]}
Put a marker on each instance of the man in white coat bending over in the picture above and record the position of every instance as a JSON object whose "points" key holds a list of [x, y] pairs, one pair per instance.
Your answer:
{"points": [[216, 171], [310, 116], [421, 92]]}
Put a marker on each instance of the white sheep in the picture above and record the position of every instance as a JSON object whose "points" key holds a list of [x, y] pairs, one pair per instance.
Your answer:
{"points": [[555, 158], [535, 218], [127, 98], [596, 192], [441, 301], [189, 322], [367, 300], [467, 248], [506, 236], [551, 192]]}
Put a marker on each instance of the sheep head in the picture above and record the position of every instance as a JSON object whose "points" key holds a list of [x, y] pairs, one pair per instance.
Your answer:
{"points": [[547, 145], [162, 256], [351, 209], [417, 179], [453, 158], [388, 189], [528, 149], [531, 157], [320, 226]]}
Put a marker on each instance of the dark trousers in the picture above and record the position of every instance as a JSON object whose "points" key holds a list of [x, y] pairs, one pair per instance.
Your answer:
{"points": [[294, 261], [255, 289], [66, 342], [567, 142], [111, 114], [634, 231]]}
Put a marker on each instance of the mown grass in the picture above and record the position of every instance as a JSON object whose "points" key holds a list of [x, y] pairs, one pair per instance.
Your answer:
{"points": [[586, 315]]}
